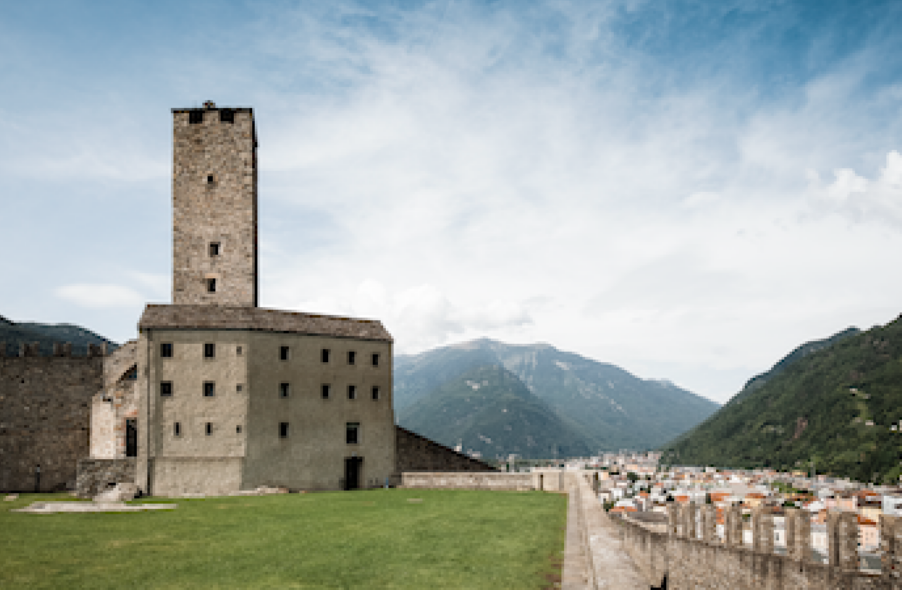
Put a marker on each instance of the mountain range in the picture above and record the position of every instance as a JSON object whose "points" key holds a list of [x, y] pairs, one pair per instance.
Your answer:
{"points": [[833, 406], [536, 401]]}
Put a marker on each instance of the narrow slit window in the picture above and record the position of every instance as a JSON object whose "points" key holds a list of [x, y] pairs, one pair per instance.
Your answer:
{"points": [[352, 357], [283, 353], [238, 429], [325, 355], [239, 351], [177, 429], [375, 393], [283, 429], [375, 359], [284, 389], [208, 428], [209, 350], [209, 389], [352, 392], [211, 285], [326, 390], [166, 389]]}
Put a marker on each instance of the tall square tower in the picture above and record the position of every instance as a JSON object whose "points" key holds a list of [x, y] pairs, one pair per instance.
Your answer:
{"points": [[214, 207]]}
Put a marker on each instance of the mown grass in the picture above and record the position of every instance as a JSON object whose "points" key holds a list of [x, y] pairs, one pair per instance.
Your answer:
{"points": [[366, 539]]}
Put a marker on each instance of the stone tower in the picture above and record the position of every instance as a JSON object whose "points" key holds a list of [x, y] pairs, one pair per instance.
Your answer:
{"points": [[214, 207]]}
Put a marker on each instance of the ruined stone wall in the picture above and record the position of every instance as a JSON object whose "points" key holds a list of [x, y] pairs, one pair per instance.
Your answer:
{"points": [[690, 558], [45, 405], [115, 403], [417, 453], [96, 475]]}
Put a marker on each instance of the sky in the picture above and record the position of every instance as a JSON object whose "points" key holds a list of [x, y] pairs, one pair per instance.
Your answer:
{"points": [[688, 190]]}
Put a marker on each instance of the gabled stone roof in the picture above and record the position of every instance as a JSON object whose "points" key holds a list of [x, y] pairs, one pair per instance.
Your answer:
{"points": [[213, 317]]}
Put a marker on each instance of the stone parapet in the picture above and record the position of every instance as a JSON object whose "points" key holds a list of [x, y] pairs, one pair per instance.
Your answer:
{"points": [[696, 563]]}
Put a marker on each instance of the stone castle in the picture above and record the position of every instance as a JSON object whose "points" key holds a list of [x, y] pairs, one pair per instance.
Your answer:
{"points": [[217, 394]]}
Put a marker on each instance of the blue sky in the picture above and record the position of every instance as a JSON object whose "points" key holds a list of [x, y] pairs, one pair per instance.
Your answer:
{"points": [[686, 189]]}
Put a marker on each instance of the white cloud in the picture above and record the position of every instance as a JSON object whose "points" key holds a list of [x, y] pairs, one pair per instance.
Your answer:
{"points": [[100, 296], [860, 199], [422, 316]]}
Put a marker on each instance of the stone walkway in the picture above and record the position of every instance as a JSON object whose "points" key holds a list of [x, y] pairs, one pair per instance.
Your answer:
{"points": [[612, 565]]}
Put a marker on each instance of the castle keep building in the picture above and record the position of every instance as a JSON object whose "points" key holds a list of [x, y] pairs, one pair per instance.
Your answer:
{"points": [[216, 394], [219, 395]]}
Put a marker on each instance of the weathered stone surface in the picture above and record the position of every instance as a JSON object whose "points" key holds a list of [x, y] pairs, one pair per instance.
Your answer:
{"points": [[96, 475], [44, 418], [214, 200], [691, 563]]}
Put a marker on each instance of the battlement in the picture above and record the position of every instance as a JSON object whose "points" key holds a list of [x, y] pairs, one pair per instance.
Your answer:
{"points": [[690, 553], [60, 350]]}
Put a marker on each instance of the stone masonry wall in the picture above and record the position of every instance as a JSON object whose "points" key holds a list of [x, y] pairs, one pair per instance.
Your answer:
{"points": [[45, 416], [214, 200], [96, 475], [693, 557], [415, 453]]}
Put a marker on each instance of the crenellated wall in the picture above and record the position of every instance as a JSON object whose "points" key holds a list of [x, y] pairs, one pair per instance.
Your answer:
{"points": [[690, 555]]}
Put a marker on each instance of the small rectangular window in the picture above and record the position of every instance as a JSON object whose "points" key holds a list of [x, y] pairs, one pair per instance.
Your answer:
{"points": [[238, 429], [375, 359], [239, 351], [209, 350], [166, 389], [209, 389], [211, 285], [283, 429], [352, 392], [239, 388], [177, 429], [166, 350], [195, 117], [214, 248], [283, 353], [352, 356], [208, 428], [284, 389], [226, 116], [375, 393], [325, 355], [352, 433], [326, 390]]}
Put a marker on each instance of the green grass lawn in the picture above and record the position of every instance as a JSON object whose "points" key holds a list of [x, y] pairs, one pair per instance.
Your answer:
{"points": [[365, 539]]}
